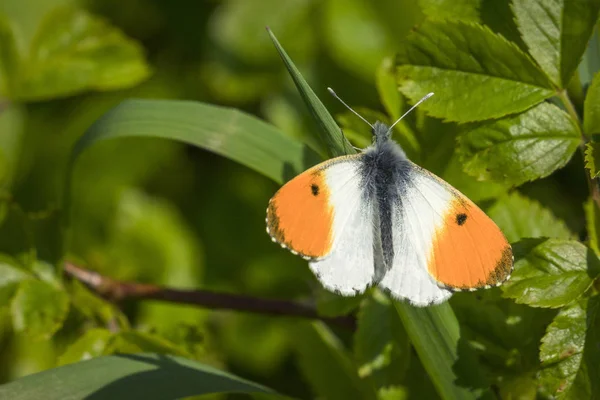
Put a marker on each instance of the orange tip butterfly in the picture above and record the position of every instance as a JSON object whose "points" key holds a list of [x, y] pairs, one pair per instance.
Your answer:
{"points": [[377, 218]]}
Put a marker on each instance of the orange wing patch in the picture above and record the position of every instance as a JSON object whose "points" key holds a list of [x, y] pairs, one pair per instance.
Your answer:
{"points": [[300, 215], [469, 251]]}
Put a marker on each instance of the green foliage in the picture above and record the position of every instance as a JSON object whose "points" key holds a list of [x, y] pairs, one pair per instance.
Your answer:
{"points": [[39, 309], [519, 148], [381, 346], [591, 111], [568, 353], [551, 272], [126, 376], [461, 10], [591, 154], [477, 74], [327, 365], [556, 33], [165, 204], [72, 51], [520, 217], [331, 135]]}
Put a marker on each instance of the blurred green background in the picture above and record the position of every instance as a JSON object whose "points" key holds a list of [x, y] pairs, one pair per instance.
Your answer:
{"points": [[156, 211]]}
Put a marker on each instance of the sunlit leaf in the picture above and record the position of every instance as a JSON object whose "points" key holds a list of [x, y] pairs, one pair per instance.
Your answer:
{"points": [[91, 344], [475, 73], [11, 273], [74, 51], [551, 272], [141, 342], [94, 307], [519, 217], [392, 393], [143, 376], [463, 10], [556, 33], [569, 351], [39, 309], [519, 148]]}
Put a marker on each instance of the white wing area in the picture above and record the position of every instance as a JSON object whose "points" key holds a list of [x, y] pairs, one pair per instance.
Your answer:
{"points": [[349, 267], [413, 227]]}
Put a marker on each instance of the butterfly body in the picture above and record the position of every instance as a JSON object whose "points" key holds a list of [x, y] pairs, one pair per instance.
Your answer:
{"points": [[377, 218]]}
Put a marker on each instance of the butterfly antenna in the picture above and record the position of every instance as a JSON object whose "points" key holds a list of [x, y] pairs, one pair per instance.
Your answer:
{"points": [[348, 107], [428, 95]]}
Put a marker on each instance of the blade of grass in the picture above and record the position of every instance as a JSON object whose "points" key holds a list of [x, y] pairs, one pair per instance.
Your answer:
{"points": [[435, 335], [225, 131], [330, 133], [128, 376]]}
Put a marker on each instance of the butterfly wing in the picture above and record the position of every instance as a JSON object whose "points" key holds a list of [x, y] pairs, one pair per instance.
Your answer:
{"points": [[325, 216], [442, 242]]}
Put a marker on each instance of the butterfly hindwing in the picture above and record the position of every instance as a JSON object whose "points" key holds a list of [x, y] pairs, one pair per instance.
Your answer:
{"points": [[324, 215], [442, 242]]}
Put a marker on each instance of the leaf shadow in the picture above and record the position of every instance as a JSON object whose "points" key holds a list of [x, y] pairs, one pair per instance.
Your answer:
{"points": [[167, 376]]}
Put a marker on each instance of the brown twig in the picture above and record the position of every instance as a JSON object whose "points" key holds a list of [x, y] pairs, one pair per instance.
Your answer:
{"points": [[118, 290]]}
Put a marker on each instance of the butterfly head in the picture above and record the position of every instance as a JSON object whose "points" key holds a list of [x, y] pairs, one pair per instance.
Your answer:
{"points": [[381, 132]]}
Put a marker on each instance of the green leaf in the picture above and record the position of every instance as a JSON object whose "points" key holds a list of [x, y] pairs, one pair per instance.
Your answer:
{"points": [[11, 274], [475, 73], [435, 333], [392, 393], [592, 150], [330, 134], [591, 108], [520, 217], [519, 148], [39, 309], [556, 33], [592, 218], [458, 10], [326, 364], [551, 272], [569, 352], [141, 342], [228, 132], [142, 376], [95, 308], [381, 346], [73, 51], [90, 345]]}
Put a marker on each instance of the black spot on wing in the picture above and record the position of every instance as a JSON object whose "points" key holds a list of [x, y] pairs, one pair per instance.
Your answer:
{"points": [[315, 189], [461, 218]]}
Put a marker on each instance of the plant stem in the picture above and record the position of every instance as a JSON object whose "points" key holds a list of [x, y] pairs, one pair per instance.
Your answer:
{"points": [[118, 291], [592, 184]]}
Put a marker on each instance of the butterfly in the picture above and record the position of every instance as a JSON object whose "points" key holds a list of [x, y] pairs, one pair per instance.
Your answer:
{"points": [[377, 218]]}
